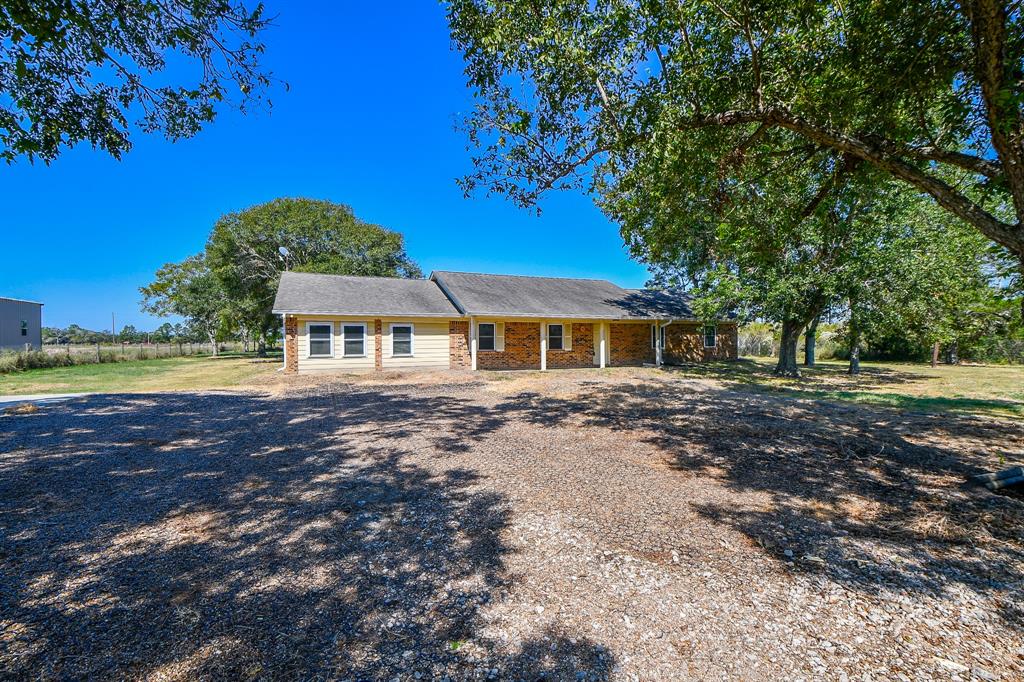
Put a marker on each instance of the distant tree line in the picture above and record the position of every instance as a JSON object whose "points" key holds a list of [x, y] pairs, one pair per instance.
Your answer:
{"points": [[165, 333], [228, 290]]}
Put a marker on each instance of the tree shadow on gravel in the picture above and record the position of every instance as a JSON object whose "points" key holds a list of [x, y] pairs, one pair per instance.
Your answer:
{"points": [[872, 498], [242, 536]]}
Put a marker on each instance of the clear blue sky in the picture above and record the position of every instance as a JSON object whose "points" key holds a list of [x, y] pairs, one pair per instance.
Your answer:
{"points": [[369, 121]]}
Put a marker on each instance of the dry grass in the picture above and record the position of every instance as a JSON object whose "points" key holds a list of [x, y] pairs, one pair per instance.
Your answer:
{"points": [[164, 374]]}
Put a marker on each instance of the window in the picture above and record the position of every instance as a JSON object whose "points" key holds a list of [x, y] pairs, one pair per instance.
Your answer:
{"points": [[24, 328], [401, 339], [654, 335], [710, 336], [353, 340], [321, 340], [555, 337], [485, 336]]}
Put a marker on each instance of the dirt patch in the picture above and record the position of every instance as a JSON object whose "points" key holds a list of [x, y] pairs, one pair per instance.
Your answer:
{"points": [[577, 525]]}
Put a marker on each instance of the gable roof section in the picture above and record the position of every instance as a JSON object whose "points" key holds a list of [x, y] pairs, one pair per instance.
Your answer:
{"points": [[519, 296], [308, 293]]}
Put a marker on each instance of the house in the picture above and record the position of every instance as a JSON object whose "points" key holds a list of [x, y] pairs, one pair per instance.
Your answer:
{"points": [[21, 324], [462, 320]]}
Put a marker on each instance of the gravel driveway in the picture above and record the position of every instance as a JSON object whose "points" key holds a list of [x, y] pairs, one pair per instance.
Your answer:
{"points": [[581, 525]]}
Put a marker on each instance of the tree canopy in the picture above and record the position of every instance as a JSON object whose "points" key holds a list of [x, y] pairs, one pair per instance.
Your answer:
{"points": [[78, 71], [613, 94], [247, 251]]}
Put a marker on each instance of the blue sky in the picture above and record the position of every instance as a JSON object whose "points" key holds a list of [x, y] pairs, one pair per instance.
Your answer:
{"points": [[369, 120]]}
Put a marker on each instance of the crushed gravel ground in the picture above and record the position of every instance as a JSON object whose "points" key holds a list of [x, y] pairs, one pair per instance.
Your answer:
{"points": [[580, 525]]}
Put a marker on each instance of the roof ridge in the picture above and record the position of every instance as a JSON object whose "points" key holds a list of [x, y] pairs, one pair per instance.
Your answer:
{"points": [[331, 274], [496, 274]]}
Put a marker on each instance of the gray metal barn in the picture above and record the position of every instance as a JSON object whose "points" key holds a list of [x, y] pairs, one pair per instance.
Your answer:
{"points": [[21, 323]]}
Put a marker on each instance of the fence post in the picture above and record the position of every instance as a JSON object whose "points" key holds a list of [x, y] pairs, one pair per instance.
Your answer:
{"points": [[99, 358]]}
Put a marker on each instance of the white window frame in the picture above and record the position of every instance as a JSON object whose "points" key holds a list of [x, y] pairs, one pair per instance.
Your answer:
{"points": [[494, 337], [654, 335], [309, 339], [412, 339], [345, 354], [561, 335], [23, 328], [704, 335]]}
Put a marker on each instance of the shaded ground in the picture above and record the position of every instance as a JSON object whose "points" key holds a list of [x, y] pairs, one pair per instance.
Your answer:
{"points": [[581, 525]]}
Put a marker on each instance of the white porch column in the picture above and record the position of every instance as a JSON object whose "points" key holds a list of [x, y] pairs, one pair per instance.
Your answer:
{"points": [[472, 343], [657, 344], [543, 346], [604, 345]]}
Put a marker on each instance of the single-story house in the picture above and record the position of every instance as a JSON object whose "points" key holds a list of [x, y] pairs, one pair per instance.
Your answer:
{"points": [[462, 320]]}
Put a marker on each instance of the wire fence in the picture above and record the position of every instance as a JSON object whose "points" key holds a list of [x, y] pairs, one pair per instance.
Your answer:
{"points": [[68, 354]]}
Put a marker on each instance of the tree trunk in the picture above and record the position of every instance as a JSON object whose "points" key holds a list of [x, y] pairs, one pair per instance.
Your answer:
{"points": [[854, 358], [787, 366], [810, 338], [213, 341], [935, 354], [952, 354], [261, 350]]}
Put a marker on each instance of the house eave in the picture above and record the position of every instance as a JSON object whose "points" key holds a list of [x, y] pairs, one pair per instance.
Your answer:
{"points": [[443, 316]]}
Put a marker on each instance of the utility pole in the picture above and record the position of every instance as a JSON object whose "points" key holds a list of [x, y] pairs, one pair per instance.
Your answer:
{"points": [[113, 332]]}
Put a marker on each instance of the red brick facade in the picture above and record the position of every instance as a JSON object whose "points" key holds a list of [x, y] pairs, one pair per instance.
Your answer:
{"points": [[459, 354], [582, 353], [291, 344], [684, 342], [631, 343], [522, 349]]}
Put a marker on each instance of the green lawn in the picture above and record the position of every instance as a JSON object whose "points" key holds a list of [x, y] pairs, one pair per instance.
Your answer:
{"points": [[994, 390], [164, 374]]}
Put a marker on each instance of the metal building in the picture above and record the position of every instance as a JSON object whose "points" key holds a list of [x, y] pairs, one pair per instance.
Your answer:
{"points": [[21, 324]]}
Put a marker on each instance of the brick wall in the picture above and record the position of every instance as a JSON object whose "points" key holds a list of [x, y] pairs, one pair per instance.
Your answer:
{"points": [[631, 343], [582, 353], [684, 342], [291, 344], [459, 354], [522, 349]]}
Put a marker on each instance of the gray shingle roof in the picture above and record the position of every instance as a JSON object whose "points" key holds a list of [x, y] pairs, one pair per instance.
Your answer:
{"points": [[518, 296], [301, 292]]}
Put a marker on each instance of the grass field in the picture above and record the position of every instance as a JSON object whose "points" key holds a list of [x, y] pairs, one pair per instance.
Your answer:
{"points": [[164, 374], [994, 390]]}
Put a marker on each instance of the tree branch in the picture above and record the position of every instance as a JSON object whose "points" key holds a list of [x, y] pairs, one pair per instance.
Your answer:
{"points": [[1009, 235]]}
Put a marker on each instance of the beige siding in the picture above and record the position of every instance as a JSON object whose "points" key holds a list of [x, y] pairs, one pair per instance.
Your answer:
{"points": [[338, 363], [429, 344]]}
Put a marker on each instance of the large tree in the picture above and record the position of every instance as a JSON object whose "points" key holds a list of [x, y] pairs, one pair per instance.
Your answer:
{"points": [[781, 247], [78, 70], [591, 94], [189, 290], [249, 249]]}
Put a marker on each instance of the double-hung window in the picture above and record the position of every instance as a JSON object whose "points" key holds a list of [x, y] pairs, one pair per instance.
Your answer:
{"points": [[24, 328], [655, 333], [321, 340], [710, 336], [555, 337], [485, 336], [353, 340], [401, 339]]}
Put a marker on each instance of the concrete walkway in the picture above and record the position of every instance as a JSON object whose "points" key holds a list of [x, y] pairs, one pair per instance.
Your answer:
{"points": [[39, 398]]}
